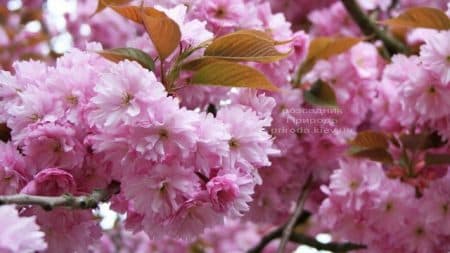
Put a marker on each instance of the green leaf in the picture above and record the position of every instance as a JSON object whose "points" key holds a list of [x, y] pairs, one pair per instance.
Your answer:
{"points": [[245, 45], [420, 17], [133, 54], [232, 74], [320, 94]]}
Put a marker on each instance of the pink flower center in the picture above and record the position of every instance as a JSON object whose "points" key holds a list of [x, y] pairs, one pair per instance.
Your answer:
{"points": [[220, 12], [126, 99], [419, 231], [233, 143], [432, 90], [72, 99], [227, 194], [163, 134]]}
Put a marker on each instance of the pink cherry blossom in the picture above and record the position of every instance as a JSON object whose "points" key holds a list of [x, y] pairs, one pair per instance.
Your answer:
{"points": [[230, 192], [52, 145], [67, 230], [123, 94], [435, 55], [167, 186], [249, 144], [51, 182], [19, 234], [13, 173]]}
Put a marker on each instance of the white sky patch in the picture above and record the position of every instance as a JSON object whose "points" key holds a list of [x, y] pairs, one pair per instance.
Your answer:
{"points": [[109, 217], [85, 30], [62, 43], [59, 7], [33, 26], [307, 249], [323, 238], [14, 5]]}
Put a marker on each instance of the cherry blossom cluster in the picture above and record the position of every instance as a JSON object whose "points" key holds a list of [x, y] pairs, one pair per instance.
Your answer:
{"points": [[233, 236], [413, 90], [362, 203], [86, 121]]}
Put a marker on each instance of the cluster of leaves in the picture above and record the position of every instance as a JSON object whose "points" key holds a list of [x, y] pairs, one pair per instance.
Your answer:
{"points": [[375, 145], [321, 93], [420, 17], [410, 157], [219, 64]]}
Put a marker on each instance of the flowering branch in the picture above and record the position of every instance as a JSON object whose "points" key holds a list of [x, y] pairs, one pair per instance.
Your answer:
{"points": [[369, 28], [76, 202], [298, 211]]}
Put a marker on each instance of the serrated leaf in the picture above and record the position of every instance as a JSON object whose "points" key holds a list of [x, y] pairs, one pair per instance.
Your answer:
{"points": [[102, 4], [421, 141], [262, 35], [370, 139], [245, 45], [420, 17], [322, 48], [372, 145], [231, 74], [326, 47], [376, 154], [437, 159], [132, 13], [133, 54], [320, 94], [198, 63], [163, 31]]}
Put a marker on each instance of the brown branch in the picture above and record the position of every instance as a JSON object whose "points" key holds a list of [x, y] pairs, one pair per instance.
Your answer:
{"points": [[392, 6], [76, 202], [297, 212], [265, 240], [332, 246], [305, 240], [370, 28]]}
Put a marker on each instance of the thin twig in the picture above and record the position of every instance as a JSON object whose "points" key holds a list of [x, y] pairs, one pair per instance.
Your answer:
{"points": [[305, 240], [76, 202], [392, 6], [297, 212], [369, 28], [265, 240], [332, 246]]}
